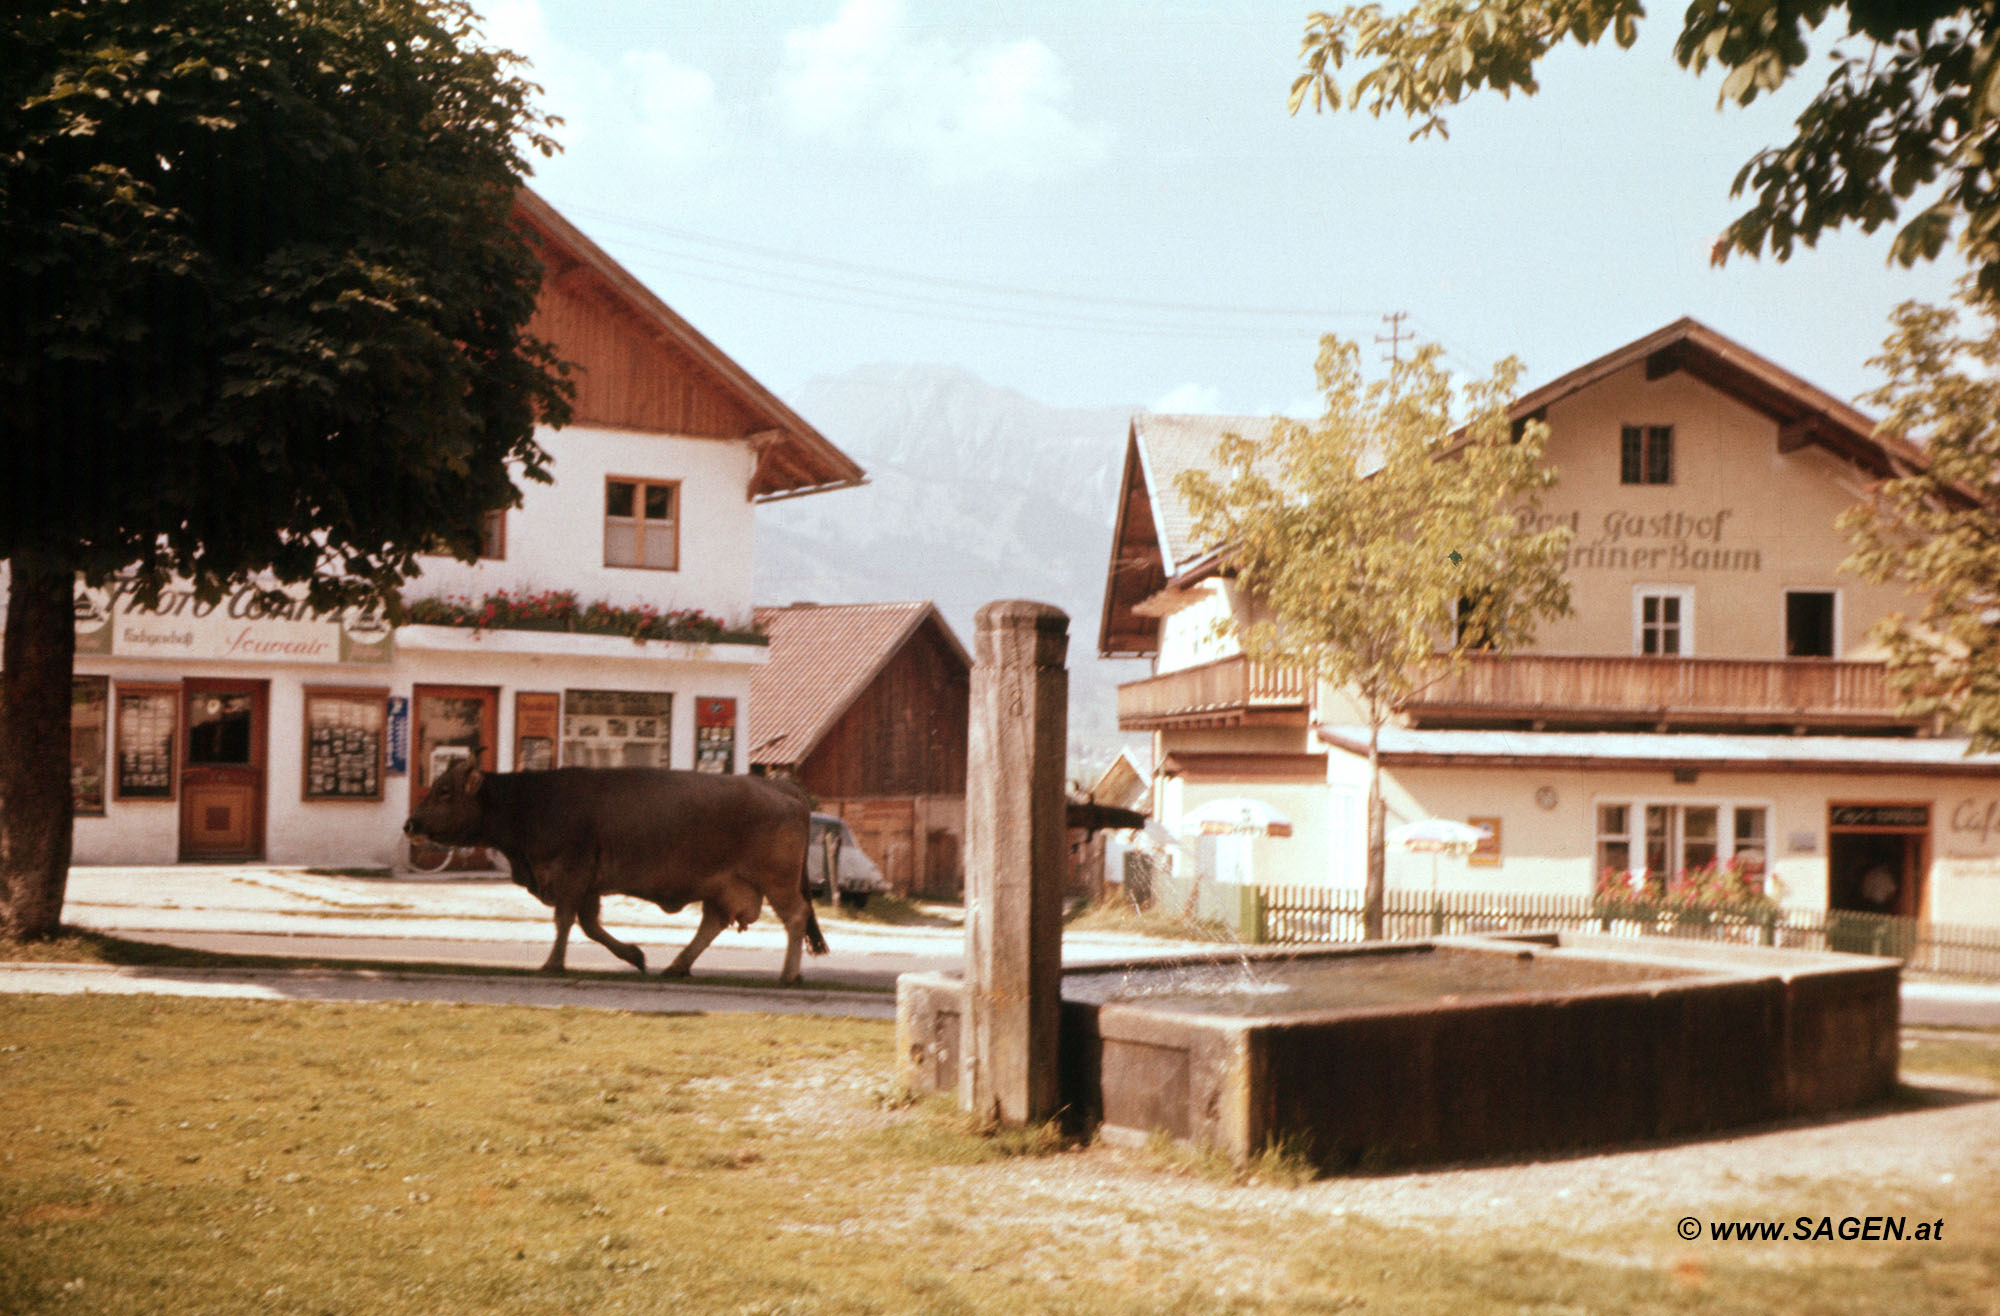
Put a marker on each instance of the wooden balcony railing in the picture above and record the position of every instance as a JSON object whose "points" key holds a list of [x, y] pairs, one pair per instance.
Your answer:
{"points": [[1571, 690], [1228, 692]]}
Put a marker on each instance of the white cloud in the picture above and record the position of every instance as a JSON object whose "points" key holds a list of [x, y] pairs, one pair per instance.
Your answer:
{"points": [[674, 107], [646, 106], [1191, 400], [995, 111]]}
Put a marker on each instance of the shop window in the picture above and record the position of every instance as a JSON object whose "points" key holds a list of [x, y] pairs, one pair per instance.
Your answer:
{"points": [[346, 731], [1663, 622], [1809, 624], [642, 524], [1646, 454], [89, 715], [617, 728], [715, 735], [148, 728]]}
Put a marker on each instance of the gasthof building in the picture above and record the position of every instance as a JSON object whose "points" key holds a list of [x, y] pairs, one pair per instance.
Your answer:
{"points": [[1714, 696]]}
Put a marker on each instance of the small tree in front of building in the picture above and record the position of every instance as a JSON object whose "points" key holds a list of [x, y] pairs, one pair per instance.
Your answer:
{"points": [[1937, 531], [1388, 539]]}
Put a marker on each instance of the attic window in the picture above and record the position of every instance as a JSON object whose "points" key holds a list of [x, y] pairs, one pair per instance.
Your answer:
{"points": [[642, 524], [1646, 454]]}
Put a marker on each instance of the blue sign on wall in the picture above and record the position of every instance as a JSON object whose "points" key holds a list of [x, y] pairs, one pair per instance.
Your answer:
{"points": [[399, 733]]}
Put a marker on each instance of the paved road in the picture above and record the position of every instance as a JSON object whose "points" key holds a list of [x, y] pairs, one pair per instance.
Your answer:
{"points": [[289, 912]]}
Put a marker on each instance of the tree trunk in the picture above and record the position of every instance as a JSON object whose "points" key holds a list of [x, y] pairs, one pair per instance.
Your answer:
{"points": [[1372, 893], [35, 801]]}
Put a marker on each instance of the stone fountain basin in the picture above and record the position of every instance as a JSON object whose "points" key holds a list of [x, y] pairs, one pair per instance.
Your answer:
{"points": [[1449, 1048]]}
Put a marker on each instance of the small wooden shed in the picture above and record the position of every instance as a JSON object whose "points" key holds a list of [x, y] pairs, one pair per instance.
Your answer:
{"points": [[865, 705]]}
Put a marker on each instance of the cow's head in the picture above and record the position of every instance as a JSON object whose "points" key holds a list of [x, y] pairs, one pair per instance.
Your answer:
{"points": [[450, 813]]}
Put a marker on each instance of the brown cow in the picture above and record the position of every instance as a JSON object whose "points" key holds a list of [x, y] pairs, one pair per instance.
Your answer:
{"points": [[575, 835]]}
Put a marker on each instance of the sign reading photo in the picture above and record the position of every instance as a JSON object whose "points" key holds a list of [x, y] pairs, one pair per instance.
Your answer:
{"points": [[242, 626]]}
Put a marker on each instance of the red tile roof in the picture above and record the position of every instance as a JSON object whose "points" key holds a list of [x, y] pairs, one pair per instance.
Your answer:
{"points": [[822, 657]]}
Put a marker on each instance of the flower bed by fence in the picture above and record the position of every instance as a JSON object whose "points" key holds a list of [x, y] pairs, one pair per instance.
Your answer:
{"points": [[559, 610], [1304, 915]]}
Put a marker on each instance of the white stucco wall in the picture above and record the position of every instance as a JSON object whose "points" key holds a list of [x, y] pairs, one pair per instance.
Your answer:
{"points": [[555, 539]]}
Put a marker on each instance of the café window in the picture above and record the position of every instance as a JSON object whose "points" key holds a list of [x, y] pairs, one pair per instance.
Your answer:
{"points": [[617, 728], [1646, 454], [148, 728], [1662, 838], [642, 524], [89, 718], [346, 733], [1809, 623], [1662, 622], [1614, 838]]}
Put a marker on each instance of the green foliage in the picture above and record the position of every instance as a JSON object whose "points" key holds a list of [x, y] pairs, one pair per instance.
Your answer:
{"points": [[1911, 102], [1389, 538], [266, 307], [1937, 531]]}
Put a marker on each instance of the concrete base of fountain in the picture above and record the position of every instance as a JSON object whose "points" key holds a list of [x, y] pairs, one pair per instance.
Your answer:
{"points": [[1450, 1048]]}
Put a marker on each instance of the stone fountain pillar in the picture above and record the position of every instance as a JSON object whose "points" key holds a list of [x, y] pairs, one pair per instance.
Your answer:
{"points": [[1014, 859]]}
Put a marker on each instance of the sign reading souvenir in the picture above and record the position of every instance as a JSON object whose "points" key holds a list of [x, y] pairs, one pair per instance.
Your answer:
{"points": [[1880, 815], [241, 626], [148, 726], [714, 735]]}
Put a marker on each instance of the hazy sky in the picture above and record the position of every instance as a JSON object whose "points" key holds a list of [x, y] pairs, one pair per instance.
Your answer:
{"points": [[1103, 202]]}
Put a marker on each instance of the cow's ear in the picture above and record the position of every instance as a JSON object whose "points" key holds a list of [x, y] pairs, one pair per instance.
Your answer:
{"points": [[473, 777]]}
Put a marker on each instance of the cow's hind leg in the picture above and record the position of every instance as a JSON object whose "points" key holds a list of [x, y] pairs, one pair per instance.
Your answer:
{"points": [[586, 918], [565, 915], [713, 920]]}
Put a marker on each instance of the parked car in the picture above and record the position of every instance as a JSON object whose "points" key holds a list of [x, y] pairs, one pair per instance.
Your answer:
{"points": [[833, 843]]}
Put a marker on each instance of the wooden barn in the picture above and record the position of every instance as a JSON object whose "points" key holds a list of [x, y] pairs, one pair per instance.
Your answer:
{"points": [[865, 705]]}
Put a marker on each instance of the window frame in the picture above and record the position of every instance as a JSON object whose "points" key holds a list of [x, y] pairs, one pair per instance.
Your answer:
{"points": [[493, 533], [1684, 625], [1655, 449], [640, 484], [1833, 637]]}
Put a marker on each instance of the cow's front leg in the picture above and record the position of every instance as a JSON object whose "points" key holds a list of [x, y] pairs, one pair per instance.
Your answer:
{"points": [[586, 918], [713, 921], [565, 915]]}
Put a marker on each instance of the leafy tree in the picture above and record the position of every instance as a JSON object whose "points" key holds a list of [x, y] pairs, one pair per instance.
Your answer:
{"points": [[1911, 104], [265, 321], [1938, 530], [1388, 539]]}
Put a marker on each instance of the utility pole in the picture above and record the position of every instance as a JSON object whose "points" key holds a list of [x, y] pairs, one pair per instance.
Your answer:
{"points": [[1394, 338]]}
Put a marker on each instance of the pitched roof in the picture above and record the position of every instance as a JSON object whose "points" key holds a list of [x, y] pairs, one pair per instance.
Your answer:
{"points": [[1806, 414], [822, 657], [646, 368], [1154, 539]]}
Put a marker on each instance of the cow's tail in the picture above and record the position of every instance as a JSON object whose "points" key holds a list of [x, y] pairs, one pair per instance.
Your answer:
{"points": [[815, 939]]}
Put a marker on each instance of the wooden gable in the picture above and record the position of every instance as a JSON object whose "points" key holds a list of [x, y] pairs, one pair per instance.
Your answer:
{"points": [[637, 365]]}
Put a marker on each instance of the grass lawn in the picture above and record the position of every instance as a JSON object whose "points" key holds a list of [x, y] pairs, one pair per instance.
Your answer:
{"points": [[218, 1157]]}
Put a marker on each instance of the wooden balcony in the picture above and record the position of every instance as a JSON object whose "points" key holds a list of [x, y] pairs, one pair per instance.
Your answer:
{"points": [[1572, 691], [1231, 692]]}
